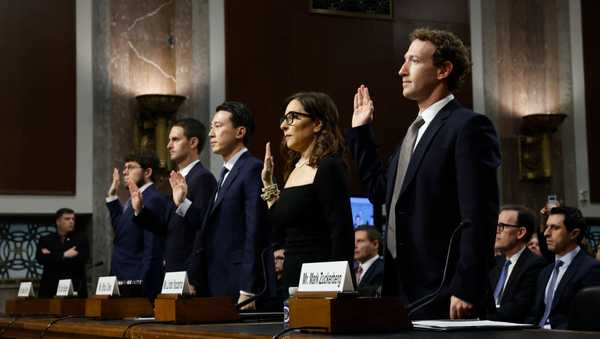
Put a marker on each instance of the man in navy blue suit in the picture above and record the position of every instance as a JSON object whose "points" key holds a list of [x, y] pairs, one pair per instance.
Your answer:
{"points": [[186, 140], [137, 252], [442, 175], [573, 269], [226, 258], [515, 274], [369, 268]]}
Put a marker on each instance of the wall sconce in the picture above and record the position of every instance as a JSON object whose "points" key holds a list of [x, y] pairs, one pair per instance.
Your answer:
{"points": [[535, 144], [152, 127]]}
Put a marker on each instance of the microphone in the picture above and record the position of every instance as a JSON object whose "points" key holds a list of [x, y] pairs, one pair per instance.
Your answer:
{"points": [[426, 300], [265, 278]]}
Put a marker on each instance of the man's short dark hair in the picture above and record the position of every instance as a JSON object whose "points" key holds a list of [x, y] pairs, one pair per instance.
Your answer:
{"points": [[573, 219], [145, 159], [240, 116], [62, 212], [193, 128], [372, 233], [448, 48], [525, 218]]}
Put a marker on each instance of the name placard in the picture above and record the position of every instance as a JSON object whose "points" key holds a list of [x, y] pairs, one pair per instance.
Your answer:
{"points": [[65, 288], [331, 276], [176, 283], [25, 290], [107, 286]]}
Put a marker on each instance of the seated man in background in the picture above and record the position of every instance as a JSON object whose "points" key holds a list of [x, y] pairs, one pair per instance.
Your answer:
{"points": [[572, 270], [63, 255], [517, 269], [138, 252], [369, 271]]}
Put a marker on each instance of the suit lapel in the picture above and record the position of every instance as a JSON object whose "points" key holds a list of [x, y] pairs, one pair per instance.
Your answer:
{"points": [[425, 141], [239, 164], [495, 273], [569, 274], [367, 275], [516, 272]]}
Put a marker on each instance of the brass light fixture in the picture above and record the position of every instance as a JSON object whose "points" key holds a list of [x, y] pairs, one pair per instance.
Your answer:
{"points": [[535, 144], [152, 128]]}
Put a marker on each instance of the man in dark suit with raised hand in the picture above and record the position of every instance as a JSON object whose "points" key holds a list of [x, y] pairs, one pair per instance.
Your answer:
{"points": [[573, 269], [369, 266], [186, 140], [226, 257], [137, 251], [514, 277], [442, 175]]}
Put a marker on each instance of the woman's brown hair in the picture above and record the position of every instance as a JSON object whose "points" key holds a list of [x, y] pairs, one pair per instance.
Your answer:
{"points": [[329, 140]]}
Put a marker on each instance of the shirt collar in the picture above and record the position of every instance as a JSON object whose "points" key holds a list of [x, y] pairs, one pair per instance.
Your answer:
{"points": [[146, 185], [231, 162], [430, 112], [186, 170], [568, 258], [515, 257], [367, 264]]}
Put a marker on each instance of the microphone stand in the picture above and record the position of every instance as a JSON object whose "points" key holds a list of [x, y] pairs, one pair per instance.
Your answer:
{"points": [[426, 300]]}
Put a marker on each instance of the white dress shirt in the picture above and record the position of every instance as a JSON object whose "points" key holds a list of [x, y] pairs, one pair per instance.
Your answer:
{"points": [[567, 259], [429, 114], [513, 262], [185, 205], [366, 265]]}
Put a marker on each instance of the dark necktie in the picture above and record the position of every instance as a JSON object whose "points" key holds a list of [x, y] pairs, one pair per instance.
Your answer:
{"points": [[550, 293], [406, 151], [224, 172], [359, 272], [501, 282]]}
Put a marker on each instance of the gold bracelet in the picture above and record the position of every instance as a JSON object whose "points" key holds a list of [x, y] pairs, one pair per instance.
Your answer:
{"points": [[270, 193]]}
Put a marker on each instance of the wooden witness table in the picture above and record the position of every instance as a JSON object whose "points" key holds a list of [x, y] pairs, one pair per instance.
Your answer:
{"points": [[32, 327]]}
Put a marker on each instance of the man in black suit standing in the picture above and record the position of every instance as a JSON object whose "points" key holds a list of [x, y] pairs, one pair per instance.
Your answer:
{"points": [[442, 175], [63, 255], [186, 140], [369, 268], [515, 274], [226, 260], [573, 269]]}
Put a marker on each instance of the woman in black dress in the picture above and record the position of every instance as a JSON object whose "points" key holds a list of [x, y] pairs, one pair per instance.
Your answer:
{"points": [[311, 216]]}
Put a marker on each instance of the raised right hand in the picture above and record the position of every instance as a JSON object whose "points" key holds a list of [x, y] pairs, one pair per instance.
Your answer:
{"points": [[268, 166], [71, 252], [363, 107], [179, 187], [114, 186]]}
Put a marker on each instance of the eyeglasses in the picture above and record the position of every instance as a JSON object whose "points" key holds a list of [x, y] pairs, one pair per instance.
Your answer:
{"points": [[501, 226], [291, 116], [131, 167]]}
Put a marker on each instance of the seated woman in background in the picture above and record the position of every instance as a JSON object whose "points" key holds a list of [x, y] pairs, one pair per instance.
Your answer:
{"points": [[311, 217]]}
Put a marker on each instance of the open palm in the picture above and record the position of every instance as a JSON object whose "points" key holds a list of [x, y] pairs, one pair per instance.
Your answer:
{"points": [[363, 107]]}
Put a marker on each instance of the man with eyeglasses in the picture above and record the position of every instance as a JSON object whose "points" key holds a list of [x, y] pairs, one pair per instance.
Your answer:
{"points": [[516, 271], [573, 269], [137, 252]]}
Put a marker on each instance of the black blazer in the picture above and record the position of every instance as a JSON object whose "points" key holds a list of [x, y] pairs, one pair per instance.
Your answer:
{"points": [[226, 255], [583, 271], [451, 178], [520, 289], [372, 279], [56, 267], [180, 232]]}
